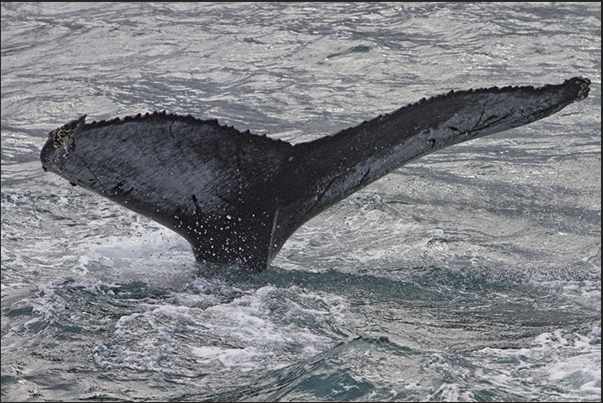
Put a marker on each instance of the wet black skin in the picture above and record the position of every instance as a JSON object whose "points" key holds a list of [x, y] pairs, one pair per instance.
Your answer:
{"points": [[237, 197]]}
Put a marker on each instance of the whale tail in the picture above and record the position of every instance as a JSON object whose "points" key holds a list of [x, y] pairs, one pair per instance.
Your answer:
{"points": [[237, 197]]}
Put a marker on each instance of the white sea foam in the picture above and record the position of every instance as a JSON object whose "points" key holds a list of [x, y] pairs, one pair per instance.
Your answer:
{"points": [[254, 337], [571, 361]]}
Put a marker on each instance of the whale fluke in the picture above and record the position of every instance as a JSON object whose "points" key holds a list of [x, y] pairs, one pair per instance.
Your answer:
{"points": [[237, 197]]}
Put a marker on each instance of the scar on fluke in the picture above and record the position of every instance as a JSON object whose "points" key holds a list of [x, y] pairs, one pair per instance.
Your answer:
{"points": [[236, 197]]}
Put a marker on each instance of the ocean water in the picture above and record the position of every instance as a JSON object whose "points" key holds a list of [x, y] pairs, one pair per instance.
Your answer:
{"points": [[473, 274]]}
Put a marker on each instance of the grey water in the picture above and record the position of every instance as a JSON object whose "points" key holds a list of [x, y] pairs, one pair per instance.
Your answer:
{"points": [[473, 274]]}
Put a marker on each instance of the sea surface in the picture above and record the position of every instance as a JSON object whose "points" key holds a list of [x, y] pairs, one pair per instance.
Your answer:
{"points": [[473, 274]]}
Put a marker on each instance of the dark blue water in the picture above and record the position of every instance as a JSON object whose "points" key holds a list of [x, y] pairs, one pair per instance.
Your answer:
{"points": [[472, 274]]}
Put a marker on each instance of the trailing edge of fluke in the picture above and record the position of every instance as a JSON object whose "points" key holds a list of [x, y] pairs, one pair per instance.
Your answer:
{"points": [[237, 197]]}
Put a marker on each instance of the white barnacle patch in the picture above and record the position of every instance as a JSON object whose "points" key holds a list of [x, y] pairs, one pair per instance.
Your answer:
{"points": [[63, 133], [59, 135]]}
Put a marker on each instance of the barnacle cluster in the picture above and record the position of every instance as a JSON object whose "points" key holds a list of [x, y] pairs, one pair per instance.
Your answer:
{"points": [[584, 89], [59, 135]]}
